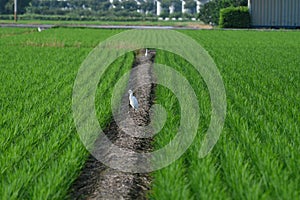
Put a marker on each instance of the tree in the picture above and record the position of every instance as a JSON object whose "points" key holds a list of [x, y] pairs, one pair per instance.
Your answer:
{"points": [[165, 4], [148, 6], [2, 6], [130, 5], [191, 6], [117, 5], [210, 12], [7, 6], [177, 5]]}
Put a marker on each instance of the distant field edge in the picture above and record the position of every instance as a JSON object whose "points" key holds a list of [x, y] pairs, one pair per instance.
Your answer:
{"points": [[107, 24], [114, 25], [46, 26]]}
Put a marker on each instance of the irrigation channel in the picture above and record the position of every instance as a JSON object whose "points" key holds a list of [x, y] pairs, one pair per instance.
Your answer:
{"points": [[100, 182]]}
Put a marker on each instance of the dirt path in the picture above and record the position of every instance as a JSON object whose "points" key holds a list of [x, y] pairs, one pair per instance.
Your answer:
{"points": [[100, 182]]}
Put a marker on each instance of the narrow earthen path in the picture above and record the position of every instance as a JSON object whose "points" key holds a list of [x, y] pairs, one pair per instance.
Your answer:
{"points": [[100, 182]]}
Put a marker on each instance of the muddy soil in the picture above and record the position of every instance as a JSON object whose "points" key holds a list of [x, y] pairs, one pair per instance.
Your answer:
{"points": [[100, 182]]}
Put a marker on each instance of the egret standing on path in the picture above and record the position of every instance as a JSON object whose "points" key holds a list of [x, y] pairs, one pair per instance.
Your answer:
{"points": [[132, 100]]}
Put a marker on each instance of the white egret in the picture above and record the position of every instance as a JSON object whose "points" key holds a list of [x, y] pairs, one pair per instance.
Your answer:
{"points": [[39, 29], [132, 100], [146, 53]]}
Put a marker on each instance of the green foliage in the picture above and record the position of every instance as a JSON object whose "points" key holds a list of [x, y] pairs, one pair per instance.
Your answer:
{"points": [[130, 5], [235, 17], [175, 15], [165, 4], [84, 9], [147, 7], [191, 6], [40, 152], [164, 14], [257, 155], [210, 12], [7, 6], [117, 16]]}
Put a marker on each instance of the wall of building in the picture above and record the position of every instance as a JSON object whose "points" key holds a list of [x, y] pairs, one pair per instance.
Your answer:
{"points": [[275, 13]]}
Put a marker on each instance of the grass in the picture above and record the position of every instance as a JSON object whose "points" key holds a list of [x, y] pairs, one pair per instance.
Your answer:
{"points": [[257, 156], [40, 153]]}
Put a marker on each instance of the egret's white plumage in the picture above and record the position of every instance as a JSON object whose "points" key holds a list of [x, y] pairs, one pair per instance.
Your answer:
{"points": [[146, 53], [132, 100], [39, 29]]}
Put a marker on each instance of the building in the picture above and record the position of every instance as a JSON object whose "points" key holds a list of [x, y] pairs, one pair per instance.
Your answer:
{"points": [[275, 13], [199, 3]]}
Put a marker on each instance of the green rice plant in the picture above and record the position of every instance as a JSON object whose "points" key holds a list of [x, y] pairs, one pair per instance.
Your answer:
{"points": [[256, 157], [40, 153], [257, 154], [8, 32]]}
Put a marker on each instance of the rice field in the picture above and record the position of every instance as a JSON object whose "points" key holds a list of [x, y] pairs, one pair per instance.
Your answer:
{"points": [[256, 157], [41, 154]]}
